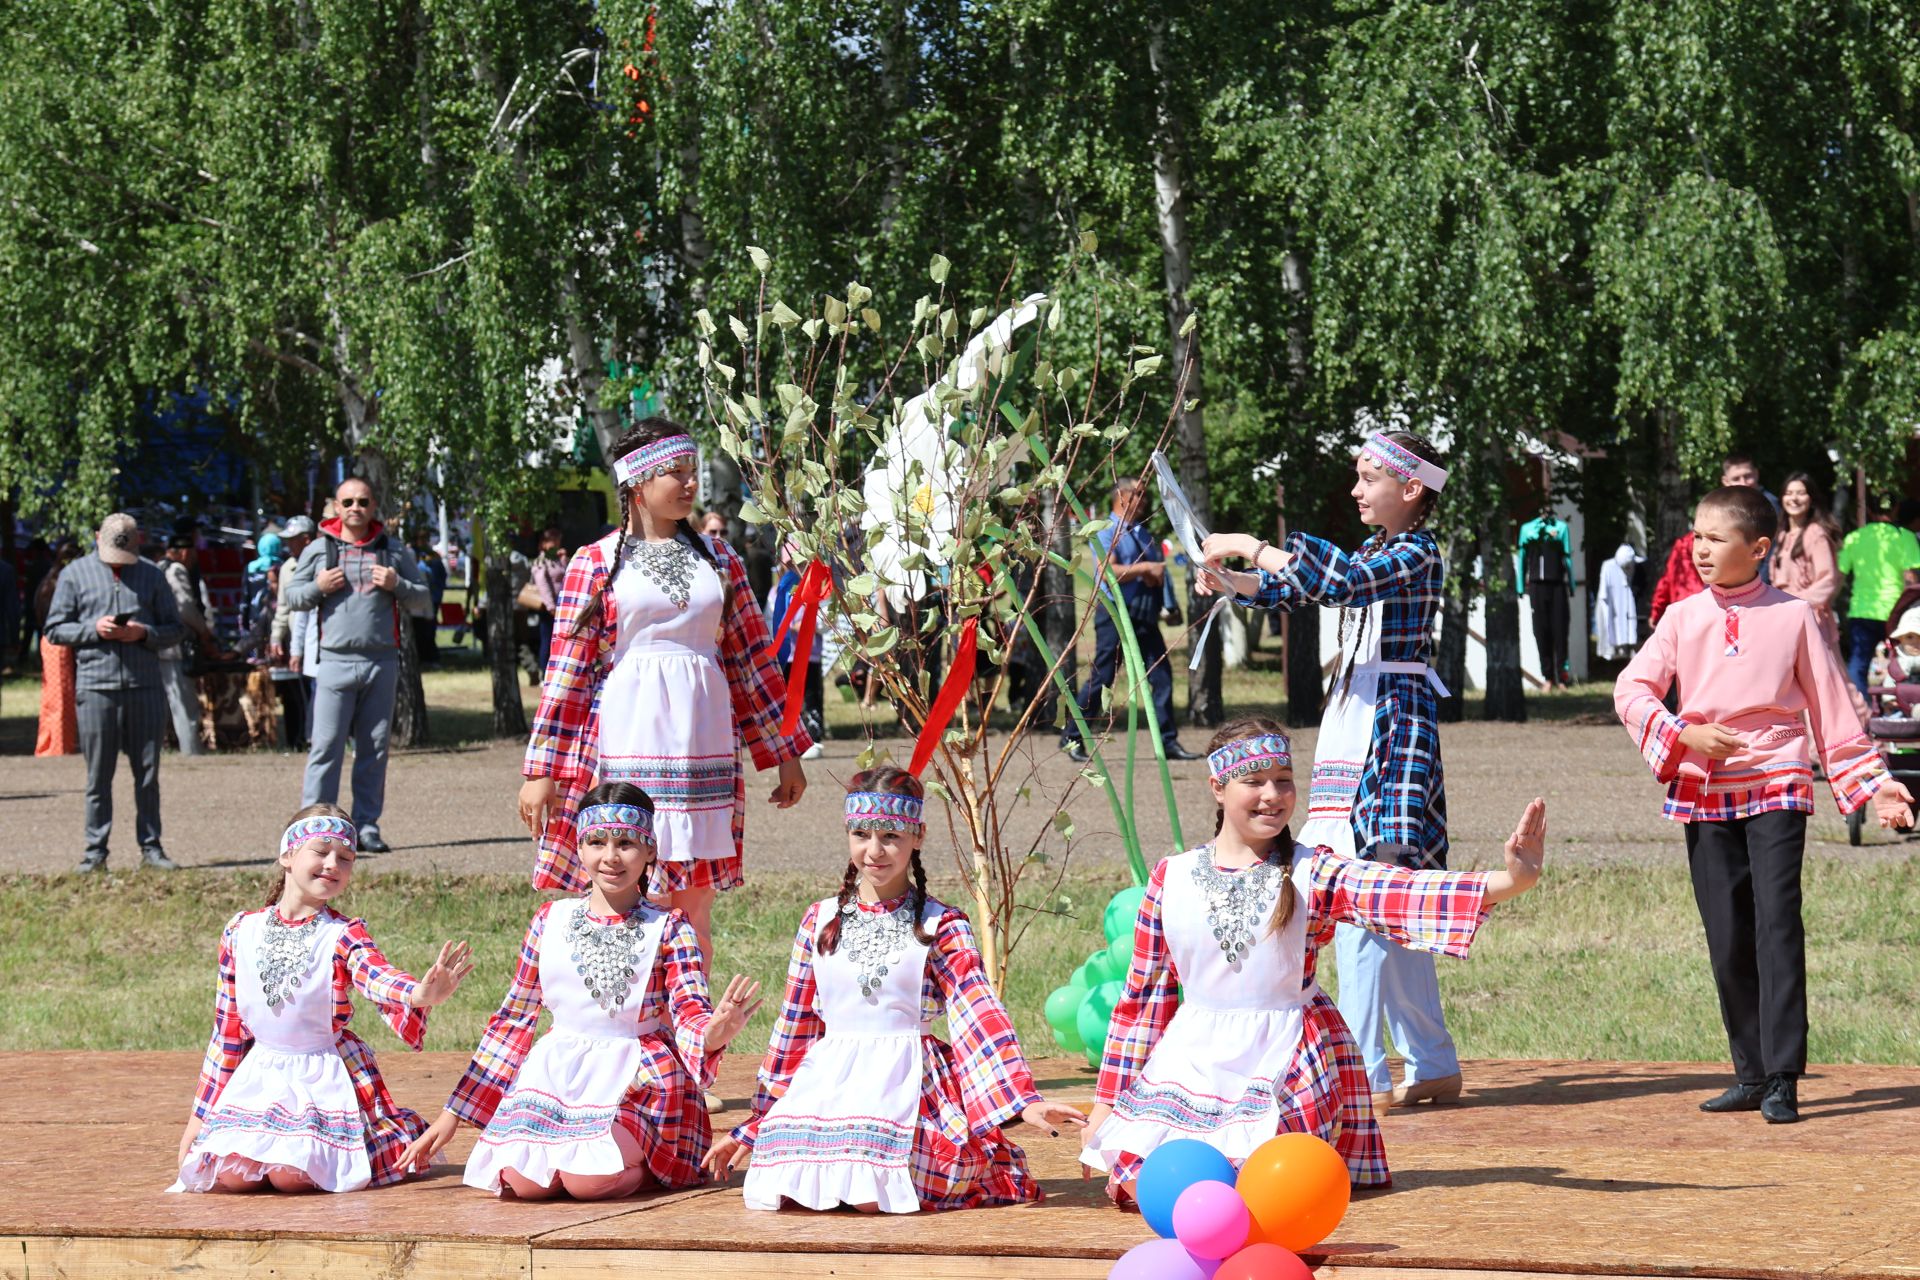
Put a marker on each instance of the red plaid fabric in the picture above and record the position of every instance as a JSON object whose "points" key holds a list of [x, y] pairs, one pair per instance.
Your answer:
{"points": [[968, 1090], [1324, 1089], [564, 744], [664, 1111], [358, 965]]}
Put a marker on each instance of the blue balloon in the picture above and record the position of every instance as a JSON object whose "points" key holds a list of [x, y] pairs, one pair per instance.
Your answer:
{"points": [[1171, 1168]]}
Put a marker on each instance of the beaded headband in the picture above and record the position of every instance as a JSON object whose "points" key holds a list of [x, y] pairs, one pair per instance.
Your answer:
{"points": [[655, 459], [1250, 755], [1400, 462], [885, 811], [305, 829], [621, 819]]}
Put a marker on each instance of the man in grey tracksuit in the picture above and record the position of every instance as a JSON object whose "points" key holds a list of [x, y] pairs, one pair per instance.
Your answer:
{"points": [[361, 581], [116, 612]]}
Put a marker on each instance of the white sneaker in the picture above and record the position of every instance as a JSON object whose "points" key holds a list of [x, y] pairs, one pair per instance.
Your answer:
{"points": [[813, 752]]}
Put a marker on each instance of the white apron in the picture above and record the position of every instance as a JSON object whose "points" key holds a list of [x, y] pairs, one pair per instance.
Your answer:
{"points": [[1217, 1070], [559, 1115], [843, 1131], [666, 713], [290, 1102], [1345, 741]]}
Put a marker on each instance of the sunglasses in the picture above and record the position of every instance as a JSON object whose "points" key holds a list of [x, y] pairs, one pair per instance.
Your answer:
{"points": [[354, 502]]}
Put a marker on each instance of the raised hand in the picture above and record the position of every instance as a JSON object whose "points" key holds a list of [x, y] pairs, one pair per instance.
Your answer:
{"points": [[730, 1012], [724, 1156], [445, 977], [1051, 1115], [420, 1152], [1526, 851]]}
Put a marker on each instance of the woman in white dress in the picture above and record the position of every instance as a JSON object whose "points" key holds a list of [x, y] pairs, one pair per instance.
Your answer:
{"points": [[288, 1097], [1222, 1034], [608, 1101], [859, 1104], [660, 668]]}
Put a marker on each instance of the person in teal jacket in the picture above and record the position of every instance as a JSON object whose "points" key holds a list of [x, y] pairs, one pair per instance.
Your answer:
{"points": [[1543, 570]]}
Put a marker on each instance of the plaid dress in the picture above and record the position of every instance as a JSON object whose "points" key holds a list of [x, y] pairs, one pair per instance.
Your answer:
{"points": [[359, 966], [1324, 1090], [664, 1110], [968, 1090], [565, 744], [1398, 792]]}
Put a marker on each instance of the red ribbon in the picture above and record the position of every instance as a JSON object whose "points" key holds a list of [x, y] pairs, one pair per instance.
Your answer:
{"points": [[816, 584], [959, 680]]}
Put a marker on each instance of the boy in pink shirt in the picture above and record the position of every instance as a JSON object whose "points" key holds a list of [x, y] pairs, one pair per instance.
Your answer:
{"points": [[1750, 659]]}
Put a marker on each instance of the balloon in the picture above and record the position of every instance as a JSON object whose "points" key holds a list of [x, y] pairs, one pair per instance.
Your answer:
{"points": [[1211, 1220], [1062, 1009], [1120, 957], [1083, 979], [1263, 1262], [1100, 969], [1106, 998], [1121, 912], [1296, 1187], [1161, 1260], [1171, 1168], [1090, 1020]]}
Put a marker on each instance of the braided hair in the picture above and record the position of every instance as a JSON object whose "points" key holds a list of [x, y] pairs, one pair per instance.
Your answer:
{"points": [[1359, 619], [891, 781], [1233, 731], [648, 431]]}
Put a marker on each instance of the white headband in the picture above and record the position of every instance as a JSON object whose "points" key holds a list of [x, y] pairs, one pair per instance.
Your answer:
{"points": [[1392, 457]]}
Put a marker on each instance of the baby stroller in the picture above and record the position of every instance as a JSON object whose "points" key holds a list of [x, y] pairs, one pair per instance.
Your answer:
{"points": [[1894, 728]]}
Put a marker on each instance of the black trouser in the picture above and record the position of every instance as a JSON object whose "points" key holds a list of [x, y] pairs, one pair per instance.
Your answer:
{"points": [[1746, 880], [1106, 664], [1550, 621]]}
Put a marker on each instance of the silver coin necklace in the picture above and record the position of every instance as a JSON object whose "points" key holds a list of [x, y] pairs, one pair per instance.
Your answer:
{"points": [[606, 956], [668, 565], [876, 941], [286, 955], [1238, 903]]}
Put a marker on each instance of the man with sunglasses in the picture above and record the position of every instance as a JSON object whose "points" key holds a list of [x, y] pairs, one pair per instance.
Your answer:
{"points": [[360, 581]]}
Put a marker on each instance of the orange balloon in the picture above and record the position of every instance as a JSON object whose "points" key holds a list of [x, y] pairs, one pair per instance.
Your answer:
{"points": [[1296, 1187]]}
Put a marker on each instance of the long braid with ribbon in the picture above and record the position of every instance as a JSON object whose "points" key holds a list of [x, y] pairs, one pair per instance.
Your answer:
{"points": [[920, 902], [829, 941], [598, 602]]}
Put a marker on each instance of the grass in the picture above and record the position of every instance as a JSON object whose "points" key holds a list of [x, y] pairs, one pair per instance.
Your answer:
{"points": [[1601, 962]]}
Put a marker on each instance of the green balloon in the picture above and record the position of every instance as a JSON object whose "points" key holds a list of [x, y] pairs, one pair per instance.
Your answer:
{"points": [[1105, 998], [1121, 912], [1083, 978], [1091, 1022], [1100, 968], [1063, 1010]]}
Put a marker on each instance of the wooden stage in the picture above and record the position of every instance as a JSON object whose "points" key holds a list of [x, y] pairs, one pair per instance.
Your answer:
{"points": [[1562, 1168]]}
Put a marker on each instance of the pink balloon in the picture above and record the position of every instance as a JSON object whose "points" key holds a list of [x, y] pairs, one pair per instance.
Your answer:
{"points": [[1162, 1260], [1211, 1220]]}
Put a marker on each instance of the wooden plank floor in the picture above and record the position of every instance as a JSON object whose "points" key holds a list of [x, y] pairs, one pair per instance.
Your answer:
{"points": [[1598, 1169]]}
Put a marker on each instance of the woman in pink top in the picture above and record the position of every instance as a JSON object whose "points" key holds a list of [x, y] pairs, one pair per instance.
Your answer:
{"points": [[1807, 561]]}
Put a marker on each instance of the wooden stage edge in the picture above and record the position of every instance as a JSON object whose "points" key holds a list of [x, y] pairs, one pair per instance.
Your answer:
{"points": [[1547, 1169]]}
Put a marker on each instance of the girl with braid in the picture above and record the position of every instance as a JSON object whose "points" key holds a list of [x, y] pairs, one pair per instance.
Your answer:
{"points": [[858, 1104], [660, 668], [1222, 1035], [1376, 790]]}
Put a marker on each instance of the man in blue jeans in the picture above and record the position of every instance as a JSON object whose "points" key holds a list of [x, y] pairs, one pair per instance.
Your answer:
{"points": [[1148, 597]]}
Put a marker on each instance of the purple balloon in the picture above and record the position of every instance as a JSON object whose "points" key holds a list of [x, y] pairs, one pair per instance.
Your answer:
{"points": [[1211, 1220], [1162, 1260]]}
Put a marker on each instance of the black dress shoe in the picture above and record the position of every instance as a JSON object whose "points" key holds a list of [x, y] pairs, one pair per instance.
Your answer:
{"points": [[371, 842], [158, 860], [93, 861], [1782, 1102], [1177, 752], [1741, 1097], [1077, 752]]}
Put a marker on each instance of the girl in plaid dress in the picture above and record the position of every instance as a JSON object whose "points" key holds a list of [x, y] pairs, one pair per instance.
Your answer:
{"points": [[660, 667], [288, 1097], [608, 1101], [1222, 1034], [1377, 789], [858, 1105]]}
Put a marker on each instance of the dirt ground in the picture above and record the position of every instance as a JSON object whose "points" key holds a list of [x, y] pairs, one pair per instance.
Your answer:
{"points": [[453, 810]]}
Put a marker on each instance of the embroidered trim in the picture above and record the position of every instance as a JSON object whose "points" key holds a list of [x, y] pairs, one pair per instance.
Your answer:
{"points": [[885, 811], [1400, 462], [621, 819], [655, 459], [305, 829], [1250, 755]]}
